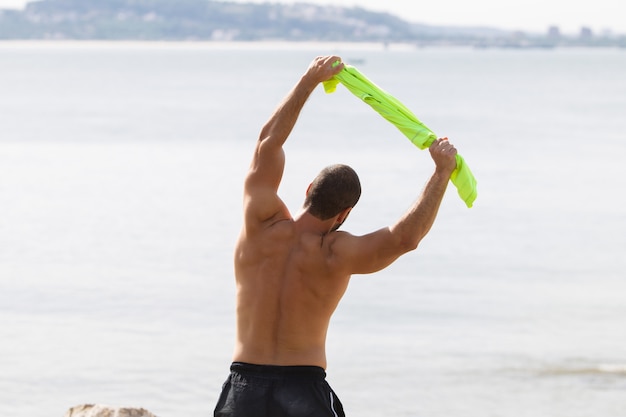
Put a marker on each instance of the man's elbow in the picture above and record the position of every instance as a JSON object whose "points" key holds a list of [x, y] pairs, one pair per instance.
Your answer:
{"points": [[409, 244], [263, 136], [406, 243]]}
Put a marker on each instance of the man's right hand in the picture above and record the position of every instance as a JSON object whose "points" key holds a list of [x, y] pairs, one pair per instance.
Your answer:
{"points": [[444, 155], [323, 68]]}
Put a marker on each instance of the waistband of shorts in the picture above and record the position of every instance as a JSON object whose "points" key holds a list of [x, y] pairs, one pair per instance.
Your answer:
{"points": [[279, 370]]}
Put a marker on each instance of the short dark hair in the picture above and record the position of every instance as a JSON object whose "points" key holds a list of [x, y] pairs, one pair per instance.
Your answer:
{"points": [[336, 188]]}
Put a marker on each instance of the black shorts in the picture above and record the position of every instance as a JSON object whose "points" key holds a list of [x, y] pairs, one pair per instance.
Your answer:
{"points": [[277, 391]]}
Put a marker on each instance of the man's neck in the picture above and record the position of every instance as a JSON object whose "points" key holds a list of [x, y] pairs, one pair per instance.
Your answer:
{"points": [[306, 222]]}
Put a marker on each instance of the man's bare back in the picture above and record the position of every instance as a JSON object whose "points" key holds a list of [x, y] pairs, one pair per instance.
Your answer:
{"points": [[287, 289]]}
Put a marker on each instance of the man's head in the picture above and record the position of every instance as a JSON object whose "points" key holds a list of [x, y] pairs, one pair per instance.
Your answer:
{"points": [[335, 189]]}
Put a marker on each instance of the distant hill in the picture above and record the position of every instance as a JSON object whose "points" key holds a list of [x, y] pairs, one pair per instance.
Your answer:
{"points": [[206, 20], [215, 20]]}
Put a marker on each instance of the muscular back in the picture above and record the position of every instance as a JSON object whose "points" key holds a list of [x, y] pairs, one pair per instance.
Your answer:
{"points": [[288, 286]]}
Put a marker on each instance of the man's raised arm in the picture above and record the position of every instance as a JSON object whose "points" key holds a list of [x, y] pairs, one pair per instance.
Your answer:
{"points": [[377, 250], [268, 162]]}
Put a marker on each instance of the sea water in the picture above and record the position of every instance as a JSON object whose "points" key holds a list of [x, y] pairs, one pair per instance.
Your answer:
{"points": [[121, 168]]}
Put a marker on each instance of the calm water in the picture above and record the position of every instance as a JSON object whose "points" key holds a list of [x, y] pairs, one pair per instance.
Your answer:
{"points": [[120, 184]]}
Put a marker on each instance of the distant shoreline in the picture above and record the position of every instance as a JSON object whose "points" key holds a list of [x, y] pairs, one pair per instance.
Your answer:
{"points": [[219, 45], [214, 21], [260, 45], [243, 45]]}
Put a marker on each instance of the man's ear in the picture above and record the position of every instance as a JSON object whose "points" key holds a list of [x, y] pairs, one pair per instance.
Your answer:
{"points": [[343, 215], [308, 189]]}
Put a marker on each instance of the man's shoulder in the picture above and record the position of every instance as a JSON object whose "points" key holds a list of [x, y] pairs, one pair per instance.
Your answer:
{"points": [[280, 223], [340, 235], [260, 220], [338, 242]]}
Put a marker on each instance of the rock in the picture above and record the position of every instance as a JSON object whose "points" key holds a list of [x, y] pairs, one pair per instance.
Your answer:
{"points": [[95, 410]]}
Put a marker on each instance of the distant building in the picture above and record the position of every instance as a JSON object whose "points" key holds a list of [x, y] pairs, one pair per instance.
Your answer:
{"points": [[554, 32], [586, 33]]}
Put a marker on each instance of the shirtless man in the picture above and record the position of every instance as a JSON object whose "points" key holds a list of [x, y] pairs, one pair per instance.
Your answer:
{"points": [[291, 272]]}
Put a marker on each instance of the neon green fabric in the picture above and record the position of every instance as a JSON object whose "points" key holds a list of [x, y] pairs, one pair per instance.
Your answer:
{"points": [[400, 116]]}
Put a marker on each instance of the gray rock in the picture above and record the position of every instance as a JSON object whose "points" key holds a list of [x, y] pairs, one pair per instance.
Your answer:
{"points": [[96, 410]]}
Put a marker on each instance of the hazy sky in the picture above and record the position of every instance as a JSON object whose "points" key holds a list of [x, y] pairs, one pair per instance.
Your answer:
{"points": [[528, 15]]}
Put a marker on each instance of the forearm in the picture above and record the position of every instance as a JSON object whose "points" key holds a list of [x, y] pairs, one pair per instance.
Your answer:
{"points": [[418, 220], [281, 123], [279, 126]]}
